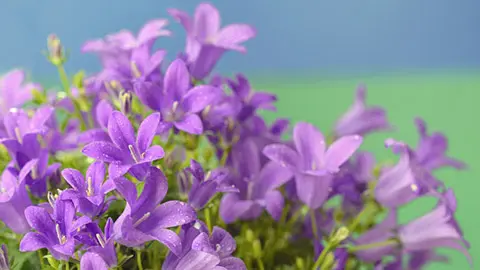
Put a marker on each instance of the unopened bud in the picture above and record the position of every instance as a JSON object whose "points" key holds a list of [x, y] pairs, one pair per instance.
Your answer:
{"points": [[249, 236], [257, 249], [55, 50], [300, 263], [341, 234]]}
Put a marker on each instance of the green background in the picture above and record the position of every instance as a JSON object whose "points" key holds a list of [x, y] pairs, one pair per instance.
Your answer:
{"points": [[447, 100]]}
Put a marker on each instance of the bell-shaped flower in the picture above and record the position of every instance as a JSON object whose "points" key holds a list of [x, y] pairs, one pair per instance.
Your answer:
{"points": [[206, 41], [14, 93], [361, 119], [100, 243], [127, 154], [257, 186], [88, 193], [145, 219], [180, 103], [204, 187], [14, 200], [312, 163], [54, 232], [202, 250], [431, 149], [37, 171]]}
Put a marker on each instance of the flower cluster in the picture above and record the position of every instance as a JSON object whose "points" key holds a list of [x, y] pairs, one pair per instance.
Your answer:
{"points": [[137, 167]]}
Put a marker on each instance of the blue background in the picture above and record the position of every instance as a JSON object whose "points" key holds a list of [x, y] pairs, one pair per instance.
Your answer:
{"points": [[302, 36]]}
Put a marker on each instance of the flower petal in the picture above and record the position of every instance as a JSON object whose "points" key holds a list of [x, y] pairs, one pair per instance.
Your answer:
{"points": [[169, 238], [103, 151], [310, 144], [191, 123], [177, 79], [274, 203], [199, 97], [153, 153], [147, 131], [154, 190], [283, 155], [231, 207], [206, 21], [92, 261], [121, 130], [167, 215], [152, 30], [75, 179], [341, 150], [232, 35], [33, 242], [39, 219], [103, 112], [200, 260]]}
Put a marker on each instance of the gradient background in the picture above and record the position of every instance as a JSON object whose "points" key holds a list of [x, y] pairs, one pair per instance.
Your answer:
{"points": [[417, 57]]}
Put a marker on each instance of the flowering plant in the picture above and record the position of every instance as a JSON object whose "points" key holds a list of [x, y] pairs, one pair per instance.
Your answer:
{"points": [[140, 168]]}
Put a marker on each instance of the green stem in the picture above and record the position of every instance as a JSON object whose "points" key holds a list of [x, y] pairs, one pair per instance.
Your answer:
{"points": [[260, 264], [207, 218], [314, 223], [40, 257], [66, 87], [67, 265], [322, 256], [386, 243], [367, 211], [139, 260]]}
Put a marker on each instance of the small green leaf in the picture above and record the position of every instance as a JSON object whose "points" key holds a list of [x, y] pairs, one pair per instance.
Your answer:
{"points": [[78, 79]]}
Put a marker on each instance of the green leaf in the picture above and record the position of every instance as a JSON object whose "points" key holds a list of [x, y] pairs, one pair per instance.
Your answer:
{"points": [[78, 79]]}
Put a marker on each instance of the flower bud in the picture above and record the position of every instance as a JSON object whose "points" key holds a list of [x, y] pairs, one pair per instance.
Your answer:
{"points": [[55, 50], [341, 234], [257, 249], [249, 236], [300, 263], [126, 98]]}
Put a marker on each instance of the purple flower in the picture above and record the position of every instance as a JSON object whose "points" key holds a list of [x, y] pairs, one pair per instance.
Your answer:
{"points": [[431, 149], [92, 261], [13, 202], [103, 110], [22, 131], [250, 100], [54, 232], [181, 103], [436, 229], [206, 41], [4, 263], [13, 92], [312, 164], [419, 259], [360, 119], [144, 219], [37, 171], [88, 194], [257, 186], [201, 251], [100, 243], [205, 187], [125, 153]]}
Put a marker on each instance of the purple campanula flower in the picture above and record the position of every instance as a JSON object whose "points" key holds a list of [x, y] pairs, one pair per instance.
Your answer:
{"points": [[205, 186], [312, 164], [180, 103], [100, 243], [54, 232], [22, 131], [257, 186], [431, 149], [13, 92], [360, 119], [88, 194], [4, 263], [13, 202], [405, 181], [37, 171], [92, 261], [103, 110], [127, 153], [145, 219], [203, 252], [206, 41], [436, 229], [419, 259]]}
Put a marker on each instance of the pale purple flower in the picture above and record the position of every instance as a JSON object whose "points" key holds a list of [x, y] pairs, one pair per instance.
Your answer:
{"points": [[431, 149], [313, 164], [419, 259], [92, 261], [127, 153], [100, 243], [88, 193], [361, 119], [13, 202], [204, 187], [202, 251], [206, 41], [14, 93], [145, 219], [54, 232], [37, 171], [180, 103], [257, 185]]}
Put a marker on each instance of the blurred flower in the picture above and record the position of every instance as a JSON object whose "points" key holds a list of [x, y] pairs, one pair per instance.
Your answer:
{"points": [[92, 261], [14, 93], [13, 202]]}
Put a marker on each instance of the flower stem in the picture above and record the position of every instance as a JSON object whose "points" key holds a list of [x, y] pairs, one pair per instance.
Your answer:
{"points": [[369, 210], [322, 256], [314, 223], [139, 260], [389, 242], [260, 264], [66, 87], [67, 265], [207, 218]]}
